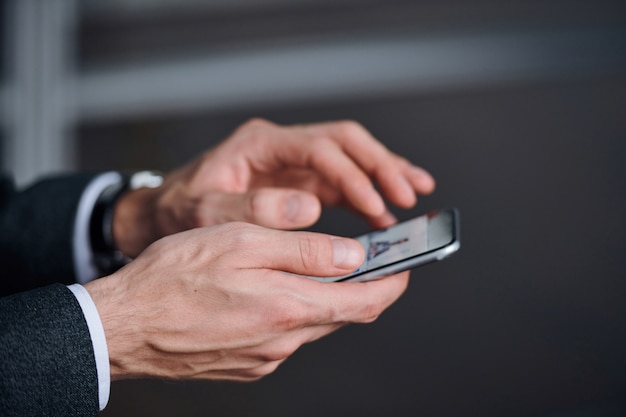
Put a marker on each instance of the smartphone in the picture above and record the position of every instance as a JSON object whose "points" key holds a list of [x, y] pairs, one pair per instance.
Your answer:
{"points": [[406, 245]]}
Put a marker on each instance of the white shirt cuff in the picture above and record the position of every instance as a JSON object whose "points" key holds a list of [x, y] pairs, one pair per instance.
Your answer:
{"points": [[84, 266], [98, 340]]}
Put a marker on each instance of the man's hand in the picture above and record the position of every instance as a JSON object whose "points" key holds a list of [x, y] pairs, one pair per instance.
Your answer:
{"points": [[214, 303], [274, 176]]}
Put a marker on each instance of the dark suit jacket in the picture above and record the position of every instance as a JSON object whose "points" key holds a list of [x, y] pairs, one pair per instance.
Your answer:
{"points": [[47, 365]]}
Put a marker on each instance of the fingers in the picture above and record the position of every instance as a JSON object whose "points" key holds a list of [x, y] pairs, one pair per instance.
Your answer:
{"points": [[303, 253], [327, 159], [276, 208], [382, 222], [338, 162], [419, 178], [347, 302], [374, 159], [349, 158], [363, 302], [342, 172], [262, 360], [307, 253], [398, 178]]}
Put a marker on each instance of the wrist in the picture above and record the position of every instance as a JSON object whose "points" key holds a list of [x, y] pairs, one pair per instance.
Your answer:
{"points": [[106, 255], [122, 222], [134, 223], [121, 336]]}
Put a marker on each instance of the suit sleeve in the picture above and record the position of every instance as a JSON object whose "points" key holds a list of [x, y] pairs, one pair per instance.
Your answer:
{"points": [[48, 366], [36, 229]]}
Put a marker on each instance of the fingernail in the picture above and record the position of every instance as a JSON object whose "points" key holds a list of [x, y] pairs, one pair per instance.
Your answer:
{"points": [[292, 208], [347, 253], [426, 181]]}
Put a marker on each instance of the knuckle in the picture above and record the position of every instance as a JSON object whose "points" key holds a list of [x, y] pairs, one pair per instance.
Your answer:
{"points": [[161, 246], [322, 142], [291, 312], [370, 313], [278, 353], [261, 371], [238, 235], [401, 162], [256, 206], [252, 131], [254, 136], [309, 251], [289, 316], [350, 128], [257, 122]]}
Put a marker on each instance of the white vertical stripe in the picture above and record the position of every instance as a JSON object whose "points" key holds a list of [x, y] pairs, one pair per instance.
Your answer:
{"points": [[98, 340], [83, 255]]}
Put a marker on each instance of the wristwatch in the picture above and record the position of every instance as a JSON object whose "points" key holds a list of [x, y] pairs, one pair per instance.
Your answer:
{"points": [[107, 257]]}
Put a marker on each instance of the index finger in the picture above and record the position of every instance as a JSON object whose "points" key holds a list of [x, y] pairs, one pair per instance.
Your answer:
{"points": [[323, 154], [308, 253], [357, 302], [398, 178]]}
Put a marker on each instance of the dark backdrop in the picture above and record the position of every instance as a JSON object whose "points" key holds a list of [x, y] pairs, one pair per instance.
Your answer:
{"points": [[528, 319]]}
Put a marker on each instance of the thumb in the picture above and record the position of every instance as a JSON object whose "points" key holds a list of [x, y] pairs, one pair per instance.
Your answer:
{"points": [[277, 208]]}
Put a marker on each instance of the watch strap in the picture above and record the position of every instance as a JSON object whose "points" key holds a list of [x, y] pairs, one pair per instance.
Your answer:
{"points": [[106, 255]]}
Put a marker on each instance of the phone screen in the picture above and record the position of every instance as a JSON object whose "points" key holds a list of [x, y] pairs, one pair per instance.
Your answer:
{"points": [[384, 247], [413, 242]]}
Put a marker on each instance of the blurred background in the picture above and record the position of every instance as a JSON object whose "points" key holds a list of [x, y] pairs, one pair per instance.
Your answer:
{"points": [[518, 108]]}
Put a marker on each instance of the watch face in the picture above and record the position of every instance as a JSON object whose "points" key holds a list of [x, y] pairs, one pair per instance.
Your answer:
{"points": [[145, 179]]}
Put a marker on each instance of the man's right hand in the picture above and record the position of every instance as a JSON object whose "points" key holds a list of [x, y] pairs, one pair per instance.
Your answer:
{"points": [[216, 303], [274, 176]]}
